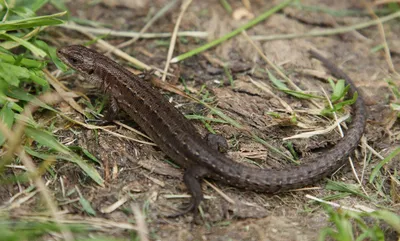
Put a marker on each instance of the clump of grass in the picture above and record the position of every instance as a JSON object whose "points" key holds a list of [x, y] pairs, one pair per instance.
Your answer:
{"points": [[350, 225], [24, 88], [36, 230], [339, 92], [23, 56]]}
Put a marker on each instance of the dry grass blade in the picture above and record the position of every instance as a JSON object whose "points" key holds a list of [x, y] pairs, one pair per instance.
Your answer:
{"points": [[111, 208], [16, 201], [98, 223], [133, 130], [104, 128], [364, 150], [372, 150], [318, 132], [187, 196], [60, 88], [148, 24], [141, 223], [185, 5], [129, 34], [383, 36], [263, 86], [327, 32], [233, 33], [342, 135], [270, 63], [108, 47], [335, 205], [67, 96], [220, 192]]}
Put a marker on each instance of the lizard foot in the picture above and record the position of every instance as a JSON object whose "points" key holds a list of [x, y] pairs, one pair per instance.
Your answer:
{"points": [[217, 142], [190, 207]]}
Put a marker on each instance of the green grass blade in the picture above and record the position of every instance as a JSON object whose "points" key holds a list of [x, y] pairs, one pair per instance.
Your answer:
{"points": [[35, 76], [283, 87], [33, 22], [35, 50], [46, 139], [339, 90], [20, 94], [59, 4], [86, 152], [258, 139], [36, 5], [344, 187], [71, 157], [8, 76], [30, 63], [233, 33], [203, 118], [391, 218], [86, 206], [51, 52], [14, 106], [383, 162], [88, 169], [7, 117]]}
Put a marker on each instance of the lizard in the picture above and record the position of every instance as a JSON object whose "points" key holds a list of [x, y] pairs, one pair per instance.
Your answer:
{"points": [[177, 137]]}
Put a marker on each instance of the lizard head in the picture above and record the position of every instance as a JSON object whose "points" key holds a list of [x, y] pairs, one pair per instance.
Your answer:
{"points": [[79, 58]]}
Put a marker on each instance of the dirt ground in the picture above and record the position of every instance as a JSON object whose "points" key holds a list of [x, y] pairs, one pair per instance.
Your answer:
{"points": [[141, 174]]}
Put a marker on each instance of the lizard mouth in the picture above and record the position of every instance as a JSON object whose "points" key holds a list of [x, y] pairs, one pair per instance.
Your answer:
{"points": [[70, 56], [61, 54]]}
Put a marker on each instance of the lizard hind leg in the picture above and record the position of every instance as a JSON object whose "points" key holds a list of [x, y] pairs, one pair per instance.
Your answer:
{"points": [[192, 178], [217, 142]]}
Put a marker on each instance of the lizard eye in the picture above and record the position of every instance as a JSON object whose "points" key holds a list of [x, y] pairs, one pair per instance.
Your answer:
{"points": [[74, 60]]}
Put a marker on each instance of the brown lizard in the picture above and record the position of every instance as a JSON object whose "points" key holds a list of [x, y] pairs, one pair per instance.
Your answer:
{"points": [[178, 138]]}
